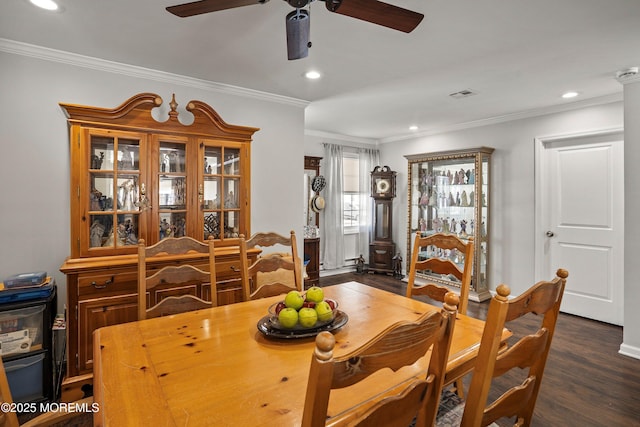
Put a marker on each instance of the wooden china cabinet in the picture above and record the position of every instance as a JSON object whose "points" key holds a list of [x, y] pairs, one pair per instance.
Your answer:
{"points": [[133, 177]]}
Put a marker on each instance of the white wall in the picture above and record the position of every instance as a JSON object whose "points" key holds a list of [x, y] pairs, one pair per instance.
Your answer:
{"points": [[34, 169], [631, 333]]}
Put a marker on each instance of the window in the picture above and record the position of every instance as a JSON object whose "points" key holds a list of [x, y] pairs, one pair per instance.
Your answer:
{"points": [[351, 193]]}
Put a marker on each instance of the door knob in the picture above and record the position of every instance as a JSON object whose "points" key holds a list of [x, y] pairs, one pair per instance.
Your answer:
{"points": [[550, 234]]}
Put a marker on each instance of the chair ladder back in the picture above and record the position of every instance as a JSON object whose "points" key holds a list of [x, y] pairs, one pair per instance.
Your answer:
{"points": [[175, 305], [173, 249], [530, 351], [399, 345], [269, 263], [442, 266]]}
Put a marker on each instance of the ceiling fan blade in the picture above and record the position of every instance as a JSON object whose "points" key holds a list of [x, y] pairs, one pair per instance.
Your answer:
{"points": [[206, 6], [377, 12]]}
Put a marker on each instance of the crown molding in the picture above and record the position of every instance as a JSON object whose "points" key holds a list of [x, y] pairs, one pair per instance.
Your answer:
{"points": [[54, 55], [340, 137], [601, 100]]}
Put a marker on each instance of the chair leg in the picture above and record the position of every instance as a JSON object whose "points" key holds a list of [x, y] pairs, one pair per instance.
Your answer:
{"points": [[459, 388]]}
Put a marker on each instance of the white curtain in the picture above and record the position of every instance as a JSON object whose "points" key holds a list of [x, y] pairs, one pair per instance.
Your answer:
{"points": [[331, 235], [369, 158]]}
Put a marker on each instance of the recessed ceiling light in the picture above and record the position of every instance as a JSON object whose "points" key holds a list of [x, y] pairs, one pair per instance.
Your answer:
{"points": [[45, 4], [312, 75], [413, 127], [568, 95]]}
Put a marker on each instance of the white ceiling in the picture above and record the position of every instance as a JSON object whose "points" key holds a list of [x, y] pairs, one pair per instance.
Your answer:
{"points": [[518, 55]]}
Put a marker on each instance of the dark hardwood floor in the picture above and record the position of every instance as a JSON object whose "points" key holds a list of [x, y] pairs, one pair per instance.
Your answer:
{"points": [[586, 381]]}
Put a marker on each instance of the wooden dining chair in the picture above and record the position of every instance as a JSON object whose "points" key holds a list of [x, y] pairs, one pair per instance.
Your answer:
{"points": [[443, 266], [272, 273], [401, 344], [179, 275], [529, 352], [76, 413]]}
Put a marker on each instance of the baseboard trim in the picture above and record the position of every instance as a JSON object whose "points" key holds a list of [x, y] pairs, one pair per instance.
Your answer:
{"points": [[630, 351], [325, 273]]}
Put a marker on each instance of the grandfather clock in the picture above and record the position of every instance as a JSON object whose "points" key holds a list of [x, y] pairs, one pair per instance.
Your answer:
{"points": [[382, 249]]}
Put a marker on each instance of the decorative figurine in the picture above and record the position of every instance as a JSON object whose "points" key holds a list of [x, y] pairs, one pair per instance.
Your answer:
{"points": [[464, 201], [445, 225], [471, 177], [95, 198], [164, 229], [424, 199], [463, 228], [96, 232], [96, 162], [462, 177], [360, 265], [173, 162], [397, 266], [433, 199], [126, 194]]}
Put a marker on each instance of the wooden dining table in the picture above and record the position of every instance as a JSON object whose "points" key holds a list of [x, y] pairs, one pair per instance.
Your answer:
{"points": [[214, 367]]}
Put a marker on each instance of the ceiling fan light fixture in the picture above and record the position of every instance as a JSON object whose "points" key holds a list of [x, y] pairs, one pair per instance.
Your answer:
{"points": [[298, 25]]}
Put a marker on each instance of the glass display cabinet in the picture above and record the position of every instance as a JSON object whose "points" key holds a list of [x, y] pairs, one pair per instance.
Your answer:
{"points": [[449, 192]]}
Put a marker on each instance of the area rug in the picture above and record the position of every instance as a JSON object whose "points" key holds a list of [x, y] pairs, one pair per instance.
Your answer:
{"points": [[450, 411]]}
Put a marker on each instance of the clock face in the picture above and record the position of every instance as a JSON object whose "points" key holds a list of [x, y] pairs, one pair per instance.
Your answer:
{"points": [[383, 185]]}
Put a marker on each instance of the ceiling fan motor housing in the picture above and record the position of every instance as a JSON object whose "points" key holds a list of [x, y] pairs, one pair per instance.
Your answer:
{"points": [[298, 25], [297, 3]]}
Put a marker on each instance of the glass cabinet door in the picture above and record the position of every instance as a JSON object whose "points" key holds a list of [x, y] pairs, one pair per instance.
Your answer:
{"points": [[449, 193], [220, 193], [113, 190], [172, 189]]}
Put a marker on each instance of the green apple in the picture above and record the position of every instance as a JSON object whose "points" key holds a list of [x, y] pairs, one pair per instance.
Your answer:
{"points": [[307, 317], [288, 317], [324, 311], [315, 294], [294, 300]]}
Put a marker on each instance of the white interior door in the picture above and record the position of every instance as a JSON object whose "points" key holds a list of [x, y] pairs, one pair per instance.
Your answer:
{"points": [[580, 202]]}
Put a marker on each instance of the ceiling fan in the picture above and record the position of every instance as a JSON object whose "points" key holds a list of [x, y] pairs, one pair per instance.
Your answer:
{"points": [[297, 22]]}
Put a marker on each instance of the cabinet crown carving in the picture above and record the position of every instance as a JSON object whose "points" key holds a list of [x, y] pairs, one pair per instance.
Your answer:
{"points": [[136, 114]]}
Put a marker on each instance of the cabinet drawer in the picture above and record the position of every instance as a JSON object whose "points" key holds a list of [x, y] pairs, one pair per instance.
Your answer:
{"points": [[228, 269], [107, 283]]}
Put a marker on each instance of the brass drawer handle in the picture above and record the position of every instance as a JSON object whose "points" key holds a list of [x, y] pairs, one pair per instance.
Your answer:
{"points": [[106, 283]]}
